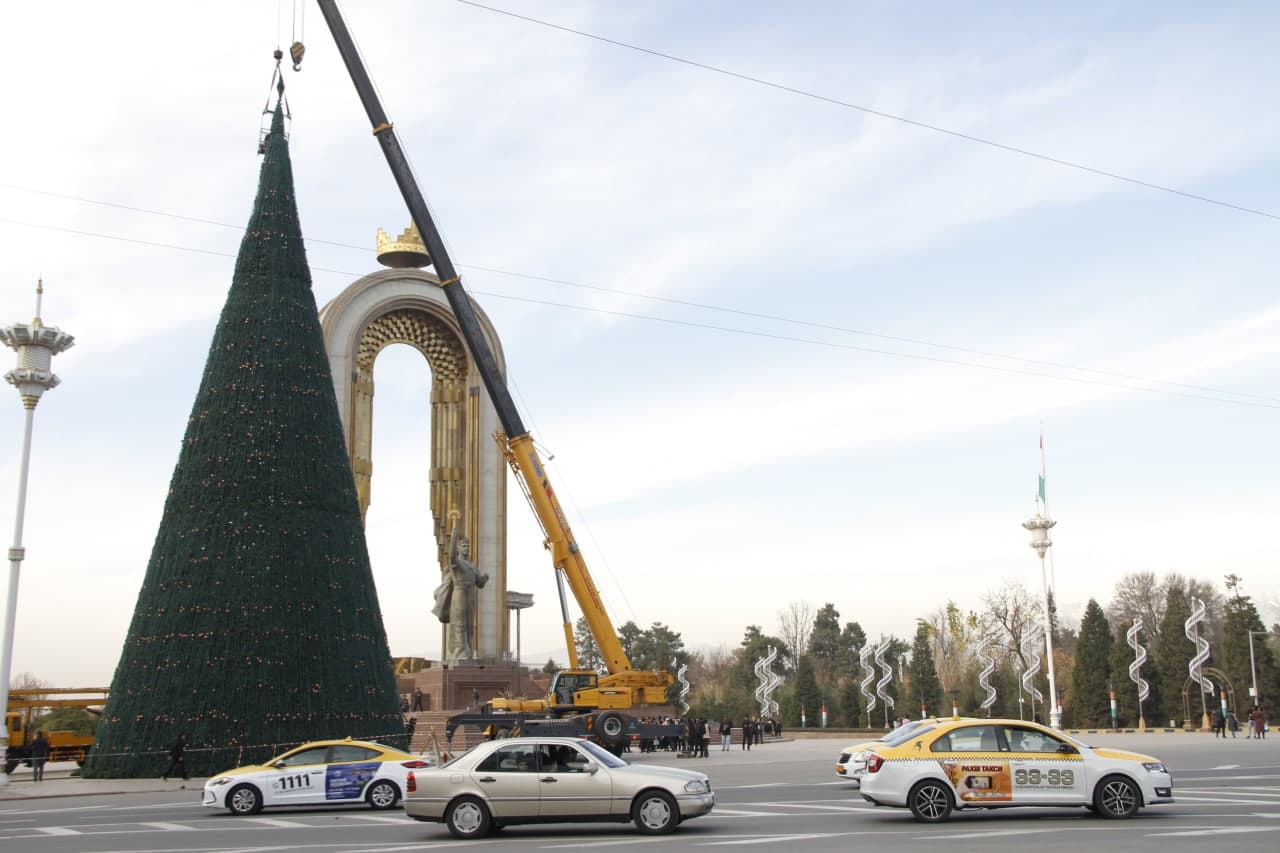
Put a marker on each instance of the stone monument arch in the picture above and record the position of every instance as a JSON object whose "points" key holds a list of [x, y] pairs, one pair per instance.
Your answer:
{"points": [[467, 468]]}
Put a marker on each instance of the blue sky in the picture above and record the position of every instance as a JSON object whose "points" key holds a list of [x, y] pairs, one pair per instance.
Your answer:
{"points": [[888, 313]]}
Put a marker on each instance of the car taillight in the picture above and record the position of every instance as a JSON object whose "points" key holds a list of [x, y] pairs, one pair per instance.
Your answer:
{"points": [[416, 763], [874, 762], [410, 784]]}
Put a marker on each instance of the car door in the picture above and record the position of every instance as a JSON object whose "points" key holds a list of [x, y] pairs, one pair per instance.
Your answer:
{"points": [[349, 769], [975, 763], [1047, 769], [297, 777], [508, 776], [568, 787]]}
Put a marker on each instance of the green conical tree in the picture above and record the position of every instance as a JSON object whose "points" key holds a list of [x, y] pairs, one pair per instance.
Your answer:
{"points": [[1091, 684], [926, 687], [257, 625]]}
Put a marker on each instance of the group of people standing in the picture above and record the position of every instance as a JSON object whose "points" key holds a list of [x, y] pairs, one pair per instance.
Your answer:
{"points": [[1224, 720], [697, 733]]}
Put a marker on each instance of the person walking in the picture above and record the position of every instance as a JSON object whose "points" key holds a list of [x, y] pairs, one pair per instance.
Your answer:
{"points": [[747, 733], [1259, 722], [39, 755], [1233, 724], [177, 758], [417, 700], [726, 732], [1219, 723]]}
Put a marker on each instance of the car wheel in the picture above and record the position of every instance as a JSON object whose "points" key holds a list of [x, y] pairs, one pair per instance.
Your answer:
{"points": [[1116, 797], [655, 813], [383, 795], [468, 817], [930, 801], [244, 800]]}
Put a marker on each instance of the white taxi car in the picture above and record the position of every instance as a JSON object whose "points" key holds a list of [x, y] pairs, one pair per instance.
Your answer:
{"points": [[554, 779], [852, 763], [960, 764], [323, 772]]}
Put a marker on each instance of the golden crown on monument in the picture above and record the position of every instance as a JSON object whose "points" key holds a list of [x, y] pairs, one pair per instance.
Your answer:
{"points": [[404, 252]]}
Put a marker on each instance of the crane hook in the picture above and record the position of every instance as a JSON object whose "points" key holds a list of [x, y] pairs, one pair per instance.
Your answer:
{"points": [[295, 52]]}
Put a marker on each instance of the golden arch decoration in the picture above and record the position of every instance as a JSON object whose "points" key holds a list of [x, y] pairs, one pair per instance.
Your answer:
{"points": [[467, 468], [1225, 688]]}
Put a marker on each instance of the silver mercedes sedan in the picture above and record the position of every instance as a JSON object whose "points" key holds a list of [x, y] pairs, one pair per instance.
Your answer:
{"points": [[552, 780]]}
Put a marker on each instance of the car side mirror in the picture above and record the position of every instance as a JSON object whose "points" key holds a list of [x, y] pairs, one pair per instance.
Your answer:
{"points": [[590, 767], [278, 764], [1067, 749]]}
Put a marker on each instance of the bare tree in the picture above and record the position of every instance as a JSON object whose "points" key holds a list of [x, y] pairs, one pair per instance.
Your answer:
{"points": [[1141, 595], [795, 624], [1013, 609]]}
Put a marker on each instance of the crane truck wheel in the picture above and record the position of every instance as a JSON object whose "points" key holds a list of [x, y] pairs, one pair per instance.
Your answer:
{"points": [[610, 727]]}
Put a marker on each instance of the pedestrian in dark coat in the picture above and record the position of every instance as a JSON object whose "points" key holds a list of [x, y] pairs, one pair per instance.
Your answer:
{"points": [[39, 755], [177, 759]]}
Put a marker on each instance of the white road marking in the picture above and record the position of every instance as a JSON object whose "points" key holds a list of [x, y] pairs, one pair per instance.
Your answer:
{"points": [[742, 813], [994, 833], [383, 818], [1225, 830], [170, 827], [1225, 767], [57, 830], [867, 807], [1227, 800], [773, 839], [284, 824]]}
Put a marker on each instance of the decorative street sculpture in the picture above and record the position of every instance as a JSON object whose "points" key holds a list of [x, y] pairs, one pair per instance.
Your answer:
{"points": [[1202, 654], [1031, 646], [886, 676], [864, 658], [984, 677], [1135, 668], [769, 681], [684, 685]]}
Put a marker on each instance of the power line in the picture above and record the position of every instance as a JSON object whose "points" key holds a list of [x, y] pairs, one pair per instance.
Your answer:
{"points": [[1259, 402], [804, 93], [664, 299]]}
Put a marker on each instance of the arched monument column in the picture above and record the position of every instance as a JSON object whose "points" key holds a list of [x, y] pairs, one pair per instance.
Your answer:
{"points": [[468, 471]]}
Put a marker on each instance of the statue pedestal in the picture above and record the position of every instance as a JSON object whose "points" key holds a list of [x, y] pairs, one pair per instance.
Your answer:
{"points": [[467, 686]]}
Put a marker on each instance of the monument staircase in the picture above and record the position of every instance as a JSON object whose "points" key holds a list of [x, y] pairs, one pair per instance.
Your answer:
{"points": [[426, 722]]}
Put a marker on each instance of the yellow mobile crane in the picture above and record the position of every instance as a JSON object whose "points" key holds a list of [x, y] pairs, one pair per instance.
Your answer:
{"points": [[581, 702]]}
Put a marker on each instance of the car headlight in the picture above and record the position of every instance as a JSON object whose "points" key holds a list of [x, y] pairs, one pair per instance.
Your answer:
{"points": [[1154, 767], [221, 780], [697, 786]]}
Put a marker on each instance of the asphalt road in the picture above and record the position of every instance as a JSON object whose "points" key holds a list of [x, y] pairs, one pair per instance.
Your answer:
{"points": [[777, 796]]}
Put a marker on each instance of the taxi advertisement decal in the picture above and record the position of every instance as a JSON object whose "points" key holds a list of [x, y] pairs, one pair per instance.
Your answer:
{"points": [[346, 781], [980, 780]]}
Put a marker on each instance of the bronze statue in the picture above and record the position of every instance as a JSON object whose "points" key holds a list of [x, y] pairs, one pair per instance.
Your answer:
{"points": [[455, 598]]}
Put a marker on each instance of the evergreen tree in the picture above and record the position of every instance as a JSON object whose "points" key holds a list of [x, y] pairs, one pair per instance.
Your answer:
{"points": [[1173, 653], [1240, 618], [257, 625], [926, 687], [584, 643], [1090, 701], [807, 694], [824, 643]]}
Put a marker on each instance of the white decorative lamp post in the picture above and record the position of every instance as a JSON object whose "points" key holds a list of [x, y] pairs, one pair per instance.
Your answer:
{"points": [[36, 345], [1039, 527]]}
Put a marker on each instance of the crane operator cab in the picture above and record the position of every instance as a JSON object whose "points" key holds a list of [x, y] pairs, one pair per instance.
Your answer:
{"points": [[566, 683]]}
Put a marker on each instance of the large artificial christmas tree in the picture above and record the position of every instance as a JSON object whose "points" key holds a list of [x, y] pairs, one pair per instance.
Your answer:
{"points": [[257, 626]]}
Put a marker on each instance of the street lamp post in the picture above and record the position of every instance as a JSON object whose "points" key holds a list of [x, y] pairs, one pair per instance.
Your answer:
{"points": [[36, 345], [1039, 527]]}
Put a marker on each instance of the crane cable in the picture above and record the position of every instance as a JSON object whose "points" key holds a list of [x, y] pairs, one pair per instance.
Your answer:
{"points": [[297, 49]]}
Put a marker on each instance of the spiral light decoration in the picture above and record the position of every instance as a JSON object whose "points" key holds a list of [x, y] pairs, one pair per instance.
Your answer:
{"points": [[1202, 645], [1031, 651], [1139, 658], [769, 681], [984, 677], [684, 685], [864, 658], [775, 681], [886, 670]]}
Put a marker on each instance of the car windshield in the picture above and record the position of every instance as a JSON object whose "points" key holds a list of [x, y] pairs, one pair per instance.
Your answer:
{"points": [[905, 733], [599, 753]]}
